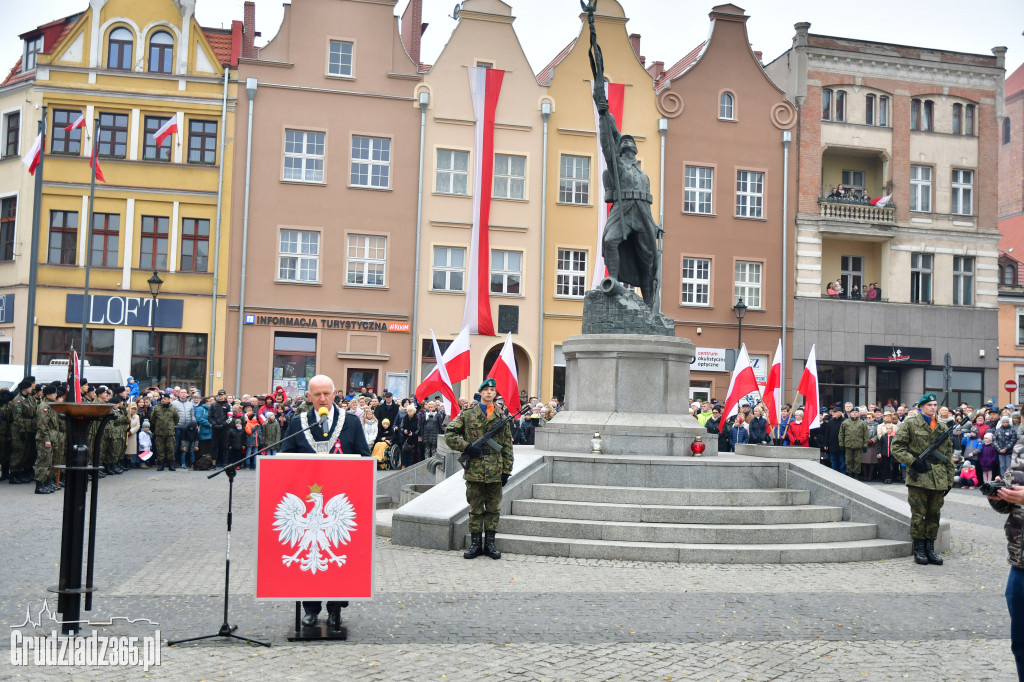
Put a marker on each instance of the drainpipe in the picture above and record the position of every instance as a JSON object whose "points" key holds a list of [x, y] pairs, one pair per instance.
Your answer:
{"points": [[424, 102], [545, 112], [787, 137], [216, 246], [250, 89], [662, 132]]}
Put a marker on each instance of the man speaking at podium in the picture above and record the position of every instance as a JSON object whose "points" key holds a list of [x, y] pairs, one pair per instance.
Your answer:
{"points": [[324, 430]]}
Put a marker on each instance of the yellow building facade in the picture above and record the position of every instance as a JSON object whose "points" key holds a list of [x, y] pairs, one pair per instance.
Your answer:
{"points": [[131, 65]]}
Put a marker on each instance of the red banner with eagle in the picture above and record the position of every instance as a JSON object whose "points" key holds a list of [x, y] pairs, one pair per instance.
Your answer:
{"points": [[315, 527]]}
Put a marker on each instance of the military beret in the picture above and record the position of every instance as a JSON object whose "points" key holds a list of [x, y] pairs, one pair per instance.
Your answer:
{"points": [[487, 383], [30, 378], [927, 398], [23, 384], [49, 389]]}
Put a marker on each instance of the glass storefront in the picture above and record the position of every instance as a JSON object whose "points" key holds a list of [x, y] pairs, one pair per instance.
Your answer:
{"points": [[842, 384], [966, 386], [179, 359], [294, 361]]}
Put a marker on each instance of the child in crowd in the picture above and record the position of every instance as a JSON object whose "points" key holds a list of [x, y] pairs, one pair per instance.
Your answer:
{"points": [[145, 442], [236, 441], [968, 476], [988, 460], [271, 431], [252, 435]]}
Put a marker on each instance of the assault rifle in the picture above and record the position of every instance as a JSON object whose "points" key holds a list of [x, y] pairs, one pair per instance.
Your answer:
{"points": [[488, 436], [921, 465]]}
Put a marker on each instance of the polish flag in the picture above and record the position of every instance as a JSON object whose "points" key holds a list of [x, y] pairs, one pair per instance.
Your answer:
{"points": [[881, 201], [506, 376], [145, 455], [75, 377], [484, 87], [168, 128], [94, 163], [79, 123], [742, 383], [35, 155], [616, 95], [808, 388], [455, 359], [773, 389]]}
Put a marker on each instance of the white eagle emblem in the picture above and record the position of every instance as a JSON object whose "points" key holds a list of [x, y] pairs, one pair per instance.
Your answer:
{"points": [[315, 532]]}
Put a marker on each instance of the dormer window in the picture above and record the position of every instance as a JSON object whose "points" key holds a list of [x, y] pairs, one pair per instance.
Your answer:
{"points": [[119, 49], [161, 52], [33, 46]]}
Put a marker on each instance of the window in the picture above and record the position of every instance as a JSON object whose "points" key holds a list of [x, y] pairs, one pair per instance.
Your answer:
{"points": [[1006, 132], [106, 231], [840, 105], [748, 283], [869, 109], [963, 186], [928, 119], [113, 138], [119, 49], [509, 177], [965, 385], [299, 256], [150, 150], [969, 119], [696, 281], [571, 273], [726, 106], [371, 162], [883, 110], [851, 273], [65, 141], [915, 114], [304, 156], [1009, 276], [202, 141], [574, 180], [195, 245], [8, 218], [842, 383], [33, 46], [452, 175], [963, 280], [180, 359], [921, 278], [339, 58], [921, 189], [294, 357], [367, 256], [506, 272], [853, 179], [749, 194], [12, 129], [161, 52], [826, 105], [63, 240], [1020, 327], [55, 341], [449, 269], [698, 191], [153, 248], [958, 113]]}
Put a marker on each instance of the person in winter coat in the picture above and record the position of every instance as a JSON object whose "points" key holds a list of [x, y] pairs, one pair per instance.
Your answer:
{"points": [[738, 433], [131, 451], [271, 432], [145, 443], [988, 460], [888, 468], [1004, 440], [853, 438], [265, 408], [371, 427], [252, 435], [236, 441], [430, 429], [410, 437], [797, 435], [202, 414], [758, 427], [968, 476], [133, 387], [831, 445], [779, 432]]}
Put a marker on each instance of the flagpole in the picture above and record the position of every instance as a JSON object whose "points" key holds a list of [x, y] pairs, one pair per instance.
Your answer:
{"points": [[93, 163], [796, 394], [33, 270]]}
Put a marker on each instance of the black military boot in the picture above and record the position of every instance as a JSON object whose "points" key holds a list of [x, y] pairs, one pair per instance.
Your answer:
{"points": [[42, 488], [475, 547], [929, 552], [490, 549], [919, 555]]}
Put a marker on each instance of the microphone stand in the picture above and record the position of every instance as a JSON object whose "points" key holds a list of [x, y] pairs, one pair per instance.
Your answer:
{"points": [[227, 630]]}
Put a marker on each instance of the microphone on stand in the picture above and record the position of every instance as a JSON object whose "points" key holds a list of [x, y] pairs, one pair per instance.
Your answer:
{"points": [[324, 415]]}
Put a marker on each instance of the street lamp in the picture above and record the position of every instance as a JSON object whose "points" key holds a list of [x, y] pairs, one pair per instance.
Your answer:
{"points": [[740, 309], [154, 289]]}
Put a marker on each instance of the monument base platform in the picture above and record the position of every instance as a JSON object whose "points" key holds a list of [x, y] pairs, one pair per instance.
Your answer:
{"points": [[624, 433]]}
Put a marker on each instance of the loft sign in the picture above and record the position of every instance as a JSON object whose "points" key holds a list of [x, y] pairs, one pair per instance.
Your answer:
{"points": [[126, 311]]}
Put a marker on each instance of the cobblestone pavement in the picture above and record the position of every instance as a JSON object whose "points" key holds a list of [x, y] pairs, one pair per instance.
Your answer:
{"points": [[436, 616]]}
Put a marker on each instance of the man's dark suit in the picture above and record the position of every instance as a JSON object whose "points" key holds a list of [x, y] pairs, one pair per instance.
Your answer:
{"points": [[353, 442]]}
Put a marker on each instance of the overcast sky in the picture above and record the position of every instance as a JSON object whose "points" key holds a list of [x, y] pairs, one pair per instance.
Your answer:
{"points": [[669, 28]]}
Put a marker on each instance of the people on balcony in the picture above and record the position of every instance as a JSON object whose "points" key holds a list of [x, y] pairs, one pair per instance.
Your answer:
{"points": [[872, 292], [847, 195]]}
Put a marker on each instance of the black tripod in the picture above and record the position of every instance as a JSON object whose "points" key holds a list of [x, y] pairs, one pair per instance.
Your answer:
{"points": [[227, 630]]}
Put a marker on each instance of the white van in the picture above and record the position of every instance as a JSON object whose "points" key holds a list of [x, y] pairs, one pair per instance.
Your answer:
{"points": [[57, 370]]}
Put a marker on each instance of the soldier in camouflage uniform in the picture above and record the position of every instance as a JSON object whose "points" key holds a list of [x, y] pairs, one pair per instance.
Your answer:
{"points": [[929, 480], [60, 452], [23, 432], [47, 440], [854, 436], [1011, 502], [5, 435], [113, 440], [487, 467], [100, 395], [163, 420]]}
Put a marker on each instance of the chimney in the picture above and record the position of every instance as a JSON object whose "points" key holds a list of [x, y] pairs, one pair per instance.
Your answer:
{"points": [[249, 30], [412, 28], [656, 69], [643, 61], [759, 55], [634, 40]]}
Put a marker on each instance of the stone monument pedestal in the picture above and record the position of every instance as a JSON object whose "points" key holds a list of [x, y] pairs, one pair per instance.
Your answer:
{"points": [[633, 389]]}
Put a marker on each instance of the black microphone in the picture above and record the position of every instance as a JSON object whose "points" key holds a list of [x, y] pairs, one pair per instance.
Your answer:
{"points": [[324, 416]]}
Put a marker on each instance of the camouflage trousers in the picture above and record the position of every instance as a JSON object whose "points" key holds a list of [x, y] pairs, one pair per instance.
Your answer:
{"points": [[484, 505], [925, 511], [164, 446], [44, 463], [23, 451], [853, 456]]}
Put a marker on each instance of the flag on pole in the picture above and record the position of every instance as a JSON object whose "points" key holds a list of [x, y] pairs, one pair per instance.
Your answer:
{"points": [[75, 376], [79, 123], [743, 382], [773, 390], [94, 163], [484, 87], [616, 95], [882, 201], [168, 128], [808, 388], [35, 155], [456, 357], [439, 380], [506, 376]]}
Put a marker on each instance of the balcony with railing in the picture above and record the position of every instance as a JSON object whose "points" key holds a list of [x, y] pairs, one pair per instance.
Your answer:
{"points": [[854, 188], [856, 210]]}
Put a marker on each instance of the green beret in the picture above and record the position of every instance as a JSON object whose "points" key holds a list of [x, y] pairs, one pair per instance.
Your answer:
{"points": [[927, 398], [487, 383]]}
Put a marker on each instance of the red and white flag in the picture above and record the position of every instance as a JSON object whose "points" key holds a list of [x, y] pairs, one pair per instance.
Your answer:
{"points": [[773, 389], [94, 163], [808, 388], [616, 94], [454, 362], [882, 201], [35, 155], [484, 88], [75, 377], [145, 454], [79, 123], [168, 128], [742, 383], [506, 376]]}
